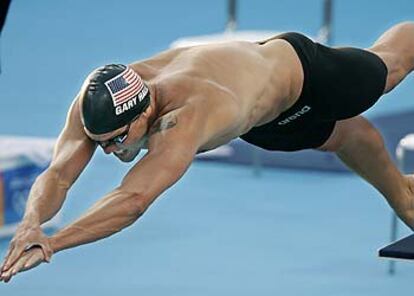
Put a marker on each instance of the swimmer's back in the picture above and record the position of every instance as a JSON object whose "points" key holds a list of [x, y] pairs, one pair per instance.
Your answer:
{"points": [[258, 78]]}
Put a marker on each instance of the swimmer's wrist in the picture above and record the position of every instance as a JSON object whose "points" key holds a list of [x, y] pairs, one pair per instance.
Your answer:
{"points": [[31, 219], [64, 239], [55, 244]]}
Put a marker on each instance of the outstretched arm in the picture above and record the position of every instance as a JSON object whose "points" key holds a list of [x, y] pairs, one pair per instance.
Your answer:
{"points": [[174, 139], [172, 146], [72, 152]]}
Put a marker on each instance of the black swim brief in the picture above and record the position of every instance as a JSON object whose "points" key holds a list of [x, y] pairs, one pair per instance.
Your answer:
{"points": [[339, 83]]}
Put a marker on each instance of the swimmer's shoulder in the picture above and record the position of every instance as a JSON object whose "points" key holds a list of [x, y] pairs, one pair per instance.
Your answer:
{"points": [[74, 109], [159, 60]]}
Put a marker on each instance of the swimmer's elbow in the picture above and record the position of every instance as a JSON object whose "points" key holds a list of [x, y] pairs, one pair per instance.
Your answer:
{"points": [[133, 204], [138, 205]]}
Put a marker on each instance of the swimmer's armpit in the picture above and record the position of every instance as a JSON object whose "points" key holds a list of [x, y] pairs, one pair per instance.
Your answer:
{"points": [[164, 123]]}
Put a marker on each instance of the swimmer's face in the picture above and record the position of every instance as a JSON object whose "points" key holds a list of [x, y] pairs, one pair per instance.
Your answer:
{"points": [[126, 142]]}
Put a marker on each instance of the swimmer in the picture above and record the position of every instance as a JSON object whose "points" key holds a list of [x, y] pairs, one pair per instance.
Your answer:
{"points": [[286, 93]]}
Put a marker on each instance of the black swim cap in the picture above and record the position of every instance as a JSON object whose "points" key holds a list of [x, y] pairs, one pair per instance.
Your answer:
{"points": [[111, 97]]}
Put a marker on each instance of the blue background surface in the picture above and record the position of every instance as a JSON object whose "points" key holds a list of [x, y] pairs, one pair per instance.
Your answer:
{"points": [[219, 231]]}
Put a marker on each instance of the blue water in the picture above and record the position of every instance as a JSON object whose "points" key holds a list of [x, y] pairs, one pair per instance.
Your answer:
{"points": [[219, 231]]}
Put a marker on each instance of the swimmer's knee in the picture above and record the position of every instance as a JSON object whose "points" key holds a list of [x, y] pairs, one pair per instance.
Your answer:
{"points": [[369, 135], [398, 67], [396, 48], [353, 131], [361, 132]]}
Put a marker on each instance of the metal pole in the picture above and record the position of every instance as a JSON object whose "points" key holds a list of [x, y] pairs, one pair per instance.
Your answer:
{"points": [[232, 15], [325, 33], [394, 219], [394, 230]]}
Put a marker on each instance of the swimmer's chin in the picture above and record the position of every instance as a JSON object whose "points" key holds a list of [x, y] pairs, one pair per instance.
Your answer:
{"points": [[126, 158]]}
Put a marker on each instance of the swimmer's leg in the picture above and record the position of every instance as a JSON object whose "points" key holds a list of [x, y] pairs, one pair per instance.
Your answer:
{"points": [[361, 147], [396, 48]]}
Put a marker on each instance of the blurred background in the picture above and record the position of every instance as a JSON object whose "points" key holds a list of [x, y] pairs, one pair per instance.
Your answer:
{"points": [[224, 229]]}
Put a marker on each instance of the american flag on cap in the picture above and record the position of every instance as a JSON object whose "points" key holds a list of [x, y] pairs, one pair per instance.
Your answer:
{"points": [[125, 86]]}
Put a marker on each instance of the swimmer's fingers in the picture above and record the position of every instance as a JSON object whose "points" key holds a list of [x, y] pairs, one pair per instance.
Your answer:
{"points": [[36, 256], [24, 240], [15, 251], [28, 260], [6, 258], [6, 276], [17, 266]]}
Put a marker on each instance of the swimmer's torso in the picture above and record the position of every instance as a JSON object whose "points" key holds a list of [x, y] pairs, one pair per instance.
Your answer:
{"points": [[248, 83]]}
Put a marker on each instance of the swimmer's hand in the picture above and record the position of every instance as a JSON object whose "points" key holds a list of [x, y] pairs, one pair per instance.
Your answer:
{"points": [[28, 260], [27, 237]]}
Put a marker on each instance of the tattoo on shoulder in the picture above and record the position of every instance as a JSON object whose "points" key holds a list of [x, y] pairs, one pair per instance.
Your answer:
{"points": [[163, 124]]}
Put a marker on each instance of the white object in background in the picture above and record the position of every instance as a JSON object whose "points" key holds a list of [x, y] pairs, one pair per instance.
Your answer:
{"points": [[22, 159], [223, 37], [226, 36], [15, 151]]}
